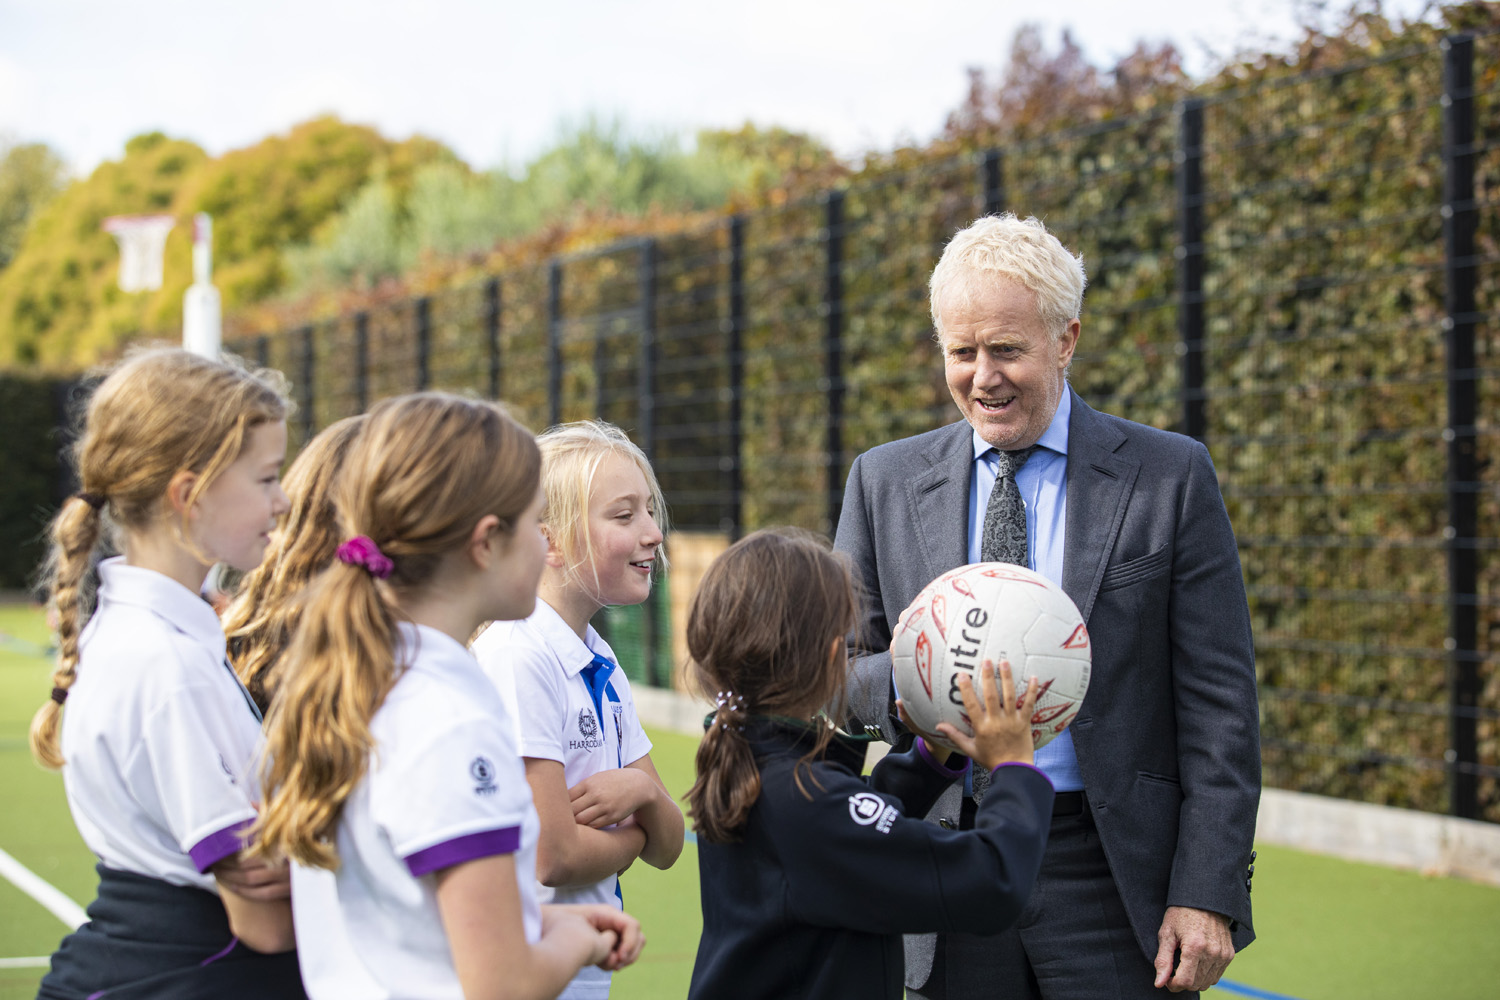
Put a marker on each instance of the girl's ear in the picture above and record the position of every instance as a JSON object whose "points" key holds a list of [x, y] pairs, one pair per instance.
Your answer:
{"points": [[486, 541], [179, 488], [554, 554], [835, 650]]}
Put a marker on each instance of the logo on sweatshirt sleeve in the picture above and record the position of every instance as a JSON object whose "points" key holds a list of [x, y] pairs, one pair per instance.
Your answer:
{"points": [[869, 809]]}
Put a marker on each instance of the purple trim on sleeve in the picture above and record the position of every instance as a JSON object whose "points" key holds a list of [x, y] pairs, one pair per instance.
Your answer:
{"points": [[218, 846], [943, 769], [1016, 763], [227, 949], [466, 848]]}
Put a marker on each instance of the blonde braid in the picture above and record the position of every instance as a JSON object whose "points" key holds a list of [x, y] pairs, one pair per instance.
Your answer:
{"points": [[75, 532]]}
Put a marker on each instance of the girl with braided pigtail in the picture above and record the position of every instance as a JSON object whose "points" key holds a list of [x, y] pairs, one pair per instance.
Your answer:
{"points": [[392, 778], [810, 875], [179, 459]]}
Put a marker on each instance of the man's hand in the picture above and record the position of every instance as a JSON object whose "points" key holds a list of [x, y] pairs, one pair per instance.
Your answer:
{"points": [[606, 798], [1199, 941], [256, 879]]}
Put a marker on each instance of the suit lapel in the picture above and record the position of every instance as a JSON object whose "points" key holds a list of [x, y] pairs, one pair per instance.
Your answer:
{"points": [[940, 498], [1099, 487]]}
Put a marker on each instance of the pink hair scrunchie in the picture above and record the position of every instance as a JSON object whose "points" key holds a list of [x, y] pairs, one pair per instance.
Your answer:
{"points": [[361, 550]]}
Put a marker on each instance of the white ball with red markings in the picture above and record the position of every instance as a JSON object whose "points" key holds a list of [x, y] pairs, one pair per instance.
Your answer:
{"points": [[991, 611]]}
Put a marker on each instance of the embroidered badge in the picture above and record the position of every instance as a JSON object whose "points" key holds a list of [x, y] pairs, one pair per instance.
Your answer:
{"points": [[483, 773], [869, 809], [588, 726]]}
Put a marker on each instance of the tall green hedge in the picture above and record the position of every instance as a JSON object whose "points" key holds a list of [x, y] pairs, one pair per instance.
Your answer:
{"points": [[30, 440]]}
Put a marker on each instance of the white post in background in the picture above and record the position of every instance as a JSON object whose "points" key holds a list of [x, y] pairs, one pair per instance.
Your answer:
{"points": [[201, 326]]}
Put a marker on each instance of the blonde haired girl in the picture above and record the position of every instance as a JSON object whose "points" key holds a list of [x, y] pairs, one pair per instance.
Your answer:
{"points": [[393, 782], [179, 459], [260, 621], [587, 758]]}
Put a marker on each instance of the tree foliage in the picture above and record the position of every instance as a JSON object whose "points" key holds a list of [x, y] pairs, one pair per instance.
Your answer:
{"points": [[596, 171], [60, 304], [31, 175]]}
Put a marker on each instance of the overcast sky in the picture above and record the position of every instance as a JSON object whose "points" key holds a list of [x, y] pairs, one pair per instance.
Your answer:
{"points": [[495, 79]]}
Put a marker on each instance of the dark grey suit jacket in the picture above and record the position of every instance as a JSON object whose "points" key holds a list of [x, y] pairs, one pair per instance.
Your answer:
{"points": [[1168, 738]]}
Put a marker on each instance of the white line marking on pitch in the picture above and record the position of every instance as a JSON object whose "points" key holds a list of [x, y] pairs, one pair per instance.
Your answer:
{"points": [[40, 962], [29, 882]]}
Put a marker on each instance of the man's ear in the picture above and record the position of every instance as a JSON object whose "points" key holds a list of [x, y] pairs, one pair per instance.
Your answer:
{"points": [[486, 541], [554, 554], [179, 489]]}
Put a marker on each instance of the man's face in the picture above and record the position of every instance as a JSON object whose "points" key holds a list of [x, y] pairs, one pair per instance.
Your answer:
{"points": [[1005, 369]]}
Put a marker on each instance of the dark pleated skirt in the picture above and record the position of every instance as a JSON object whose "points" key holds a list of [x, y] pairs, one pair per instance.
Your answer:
{"points": [[149, 938]]}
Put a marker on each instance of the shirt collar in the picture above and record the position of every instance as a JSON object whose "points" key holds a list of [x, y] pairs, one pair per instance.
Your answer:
{"points": [[189, 613], [1054, 438], [431, 647], [572, 652]]}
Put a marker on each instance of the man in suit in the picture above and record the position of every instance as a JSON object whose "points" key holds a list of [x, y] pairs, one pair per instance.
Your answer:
{"points": [[1145, 884]]}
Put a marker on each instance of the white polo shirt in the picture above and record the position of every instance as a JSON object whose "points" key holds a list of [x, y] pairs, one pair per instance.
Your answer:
{"points": [[445, 785], [539, 662], [158, 737]]}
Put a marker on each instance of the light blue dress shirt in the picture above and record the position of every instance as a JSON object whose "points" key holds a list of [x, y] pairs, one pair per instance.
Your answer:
{"points": [[1043, 483]]}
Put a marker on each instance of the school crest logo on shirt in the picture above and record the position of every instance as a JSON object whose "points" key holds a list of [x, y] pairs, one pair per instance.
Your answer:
{"points": [[588, 726], [483, 773], [588, 729], [869, 809]]}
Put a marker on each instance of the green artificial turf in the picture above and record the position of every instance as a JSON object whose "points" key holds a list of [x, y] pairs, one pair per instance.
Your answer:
{"points": [[1329, 929]]}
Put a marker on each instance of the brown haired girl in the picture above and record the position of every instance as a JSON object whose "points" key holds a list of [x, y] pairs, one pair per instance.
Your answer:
{"points": [[179, 459], [808, 874], [394, 783], [259, 623]]}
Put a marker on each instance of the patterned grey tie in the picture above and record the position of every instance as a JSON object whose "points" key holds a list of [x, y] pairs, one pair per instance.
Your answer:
{"points": [[1004, 540]]}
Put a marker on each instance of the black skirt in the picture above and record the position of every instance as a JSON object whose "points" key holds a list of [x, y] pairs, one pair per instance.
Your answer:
{"points": [[149, 938]]}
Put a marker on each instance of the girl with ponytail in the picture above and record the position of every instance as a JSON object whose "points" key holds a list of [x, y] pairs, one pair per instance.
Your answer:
{"points": [[393, 783], [267, 602], [179, 461], [809, 875]]}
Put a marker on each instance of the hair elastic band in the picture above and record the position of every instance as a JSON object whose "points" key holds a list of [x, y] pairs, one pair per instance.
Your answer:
{"points": [[361, 550], [94, 500], [59, 695]]}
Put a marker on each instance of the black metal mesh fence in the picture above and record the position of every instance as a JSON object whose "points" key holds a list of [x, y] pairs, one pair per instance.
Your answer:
{"points": [[1302, 274]]}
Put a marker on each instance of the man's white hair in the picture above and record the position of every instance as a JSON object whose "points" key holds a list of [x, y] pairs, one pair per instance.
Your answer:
{"points": [[1004, 246]]}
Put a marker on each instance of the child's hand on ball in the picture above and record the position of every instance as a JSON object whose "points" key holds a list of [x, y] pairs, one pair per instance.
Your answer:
{"points": [[936, 746], [1002, 727]]}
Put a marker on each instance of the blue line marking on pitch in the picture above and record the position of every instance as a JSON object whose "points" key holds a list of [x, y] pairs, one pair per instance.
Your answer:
{"points": [[1230, 986], [691, 837]]}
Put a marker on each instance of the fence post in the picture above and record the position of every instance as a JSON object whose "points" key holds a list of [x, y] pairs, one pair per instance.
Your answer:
{"points": [[991, 176], [424, 342], [262, 351], [733, 463], [1189, 252], [646, 393], [1460, 223], [833, 353], [305, 398], [554, 342], [361, 361], [492, 332]]}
